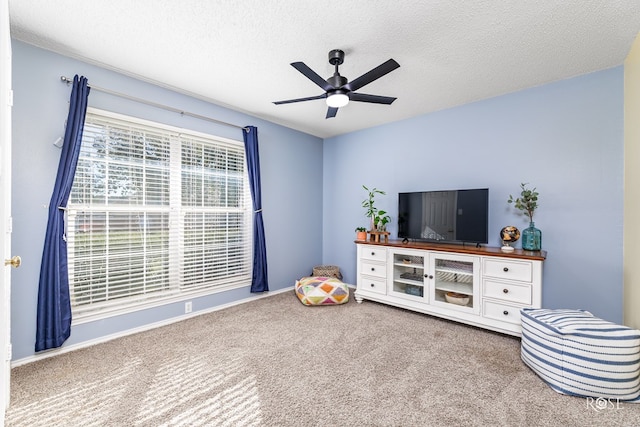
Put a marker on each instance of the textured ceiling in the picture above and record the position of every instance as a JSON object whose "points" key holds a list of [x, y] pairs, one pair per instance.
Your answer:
{"points": [[237, 53]]}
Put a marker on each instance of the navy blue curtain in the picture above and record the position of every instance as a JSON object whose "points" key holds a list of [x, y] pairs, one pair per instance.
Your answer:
{"points": [[259, 282], [54, 305]]}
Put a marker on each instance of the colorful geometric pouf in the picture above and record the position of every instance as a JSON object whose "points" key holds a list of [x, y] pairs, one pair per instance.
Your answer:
{"points": [[321, 291], [577, 354]]}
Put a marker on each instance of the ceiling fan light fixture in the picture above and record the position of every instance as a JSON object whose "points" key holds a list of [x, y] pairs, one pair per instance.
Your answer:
{"points": [[337, 100]]}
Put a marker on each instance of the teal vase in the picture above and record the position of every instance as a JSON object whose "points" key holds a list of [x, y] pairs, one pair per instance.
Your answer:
{"points": [[531, 238]]}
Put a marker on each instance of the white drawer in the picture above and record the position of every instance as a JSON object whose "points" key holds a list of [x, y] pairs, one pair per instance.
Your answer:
{"points": [[513, 292], [373, 269], [374, 285], [374, 253], [508, 269], [502, 312]]}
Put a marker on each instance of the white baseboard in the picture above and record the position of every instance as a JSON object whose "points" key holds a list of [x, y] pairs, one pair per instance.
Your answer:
{"points": [[89, 343]]}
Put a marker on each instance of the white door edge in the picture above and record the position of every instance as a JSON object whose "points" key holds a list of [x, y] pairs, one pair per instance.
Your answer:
{"points": [[6, 101]]}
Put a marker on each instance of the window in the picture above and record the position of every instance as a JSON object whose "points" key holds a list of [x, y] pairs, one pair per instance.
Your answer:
{"points": [[155, 213]]}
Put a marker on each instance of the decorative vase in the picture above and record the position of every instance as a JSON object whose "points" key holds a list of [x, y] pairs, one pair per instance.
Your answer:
{"points": [[531, 238]]}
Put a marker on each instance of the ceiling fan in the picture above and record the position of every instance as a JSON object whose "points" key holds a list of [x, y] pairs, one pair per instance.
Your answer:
{"points": [[338, 90]]}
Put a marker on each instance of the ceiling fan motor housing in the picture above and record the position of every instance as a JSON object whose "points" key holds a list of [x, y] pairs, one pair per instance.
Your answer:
{"points": [[337, 80]]}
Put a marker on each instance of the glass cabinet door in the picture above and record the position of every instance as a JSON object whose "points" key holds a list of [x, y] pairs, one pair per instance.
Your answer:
{"points": [[408, 280], [455, 281]]}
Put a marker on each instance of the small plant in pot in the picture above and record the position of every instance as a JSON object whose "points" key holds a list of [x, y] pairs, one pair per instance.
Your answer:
{"points": [[528, 203], [369, 205], [361, 233], [381, 220]]}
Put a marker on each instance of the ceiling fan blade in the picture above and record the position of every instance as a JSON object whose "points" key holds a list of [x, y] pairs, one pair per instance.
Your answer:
{"points": [[372, 75], [376, 99], [309, 98], [331, 112], [312, 75]]}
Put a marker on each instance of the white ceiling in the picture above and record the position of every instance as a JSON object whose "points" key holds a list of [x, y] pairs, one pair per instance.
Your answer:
{"points": [[236, 53]]}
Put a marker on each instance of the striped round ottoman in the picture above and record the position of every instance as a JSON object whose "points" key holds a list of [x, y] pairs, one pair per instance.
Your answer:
{"points": [[578, 354]]}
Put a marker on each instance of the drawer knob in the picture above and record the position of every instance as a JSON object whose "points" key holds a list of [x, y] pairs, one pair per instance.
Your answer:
{"points": [[373, 269], [373, 286], [373, 253], [505, 290], [505, 269], [506, 313]]}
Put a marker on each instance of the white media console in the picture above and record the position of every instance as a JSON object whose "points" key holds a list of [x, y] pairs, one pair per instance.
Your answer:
{"points": [[480, 286]]}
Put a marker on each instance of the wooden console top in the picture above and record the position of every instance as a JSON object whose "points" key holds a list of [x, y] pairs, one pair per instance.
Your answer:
{"points": [[462, 249]]}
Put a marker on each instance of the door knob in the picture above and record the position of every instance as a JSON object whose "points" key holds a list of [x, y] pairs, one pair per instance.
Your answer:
{"points": [[13, 262]]}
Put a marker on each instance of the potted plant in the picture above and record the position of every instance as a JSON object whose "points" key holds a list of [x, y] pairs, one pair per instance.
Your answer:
{"points": [[361, 233], [381, 220], [528, 203], [369, 204]]}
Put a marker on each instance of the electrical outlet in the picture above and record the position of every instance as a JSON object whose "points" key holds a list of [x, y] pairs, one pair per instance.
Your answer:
{"points": [[188, 307]]}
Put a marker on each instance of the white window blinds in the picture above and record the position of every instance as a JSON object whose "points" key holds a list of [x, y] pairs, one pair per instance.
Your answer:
{"points": [[155, 212]]}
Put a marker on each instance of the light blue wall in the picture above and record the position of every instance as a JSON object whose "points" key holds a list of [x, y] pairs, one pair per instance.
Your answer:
{"points": [[39, 112], [565, 138]]}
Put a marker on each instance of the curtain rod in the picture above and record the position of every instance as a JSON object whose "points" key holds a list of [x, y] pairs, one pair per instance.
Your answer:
{"points": [[68, 81]]}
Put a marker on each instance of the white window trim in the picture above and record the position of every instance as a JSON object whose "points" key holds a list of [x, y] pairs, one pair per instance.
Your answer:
{"points": [[185, 296], [112, 311]]}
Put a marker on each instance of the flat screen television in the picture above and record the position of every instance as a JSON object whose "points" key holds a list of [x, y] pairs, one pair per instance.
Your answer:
{"points": [[453, 216]]}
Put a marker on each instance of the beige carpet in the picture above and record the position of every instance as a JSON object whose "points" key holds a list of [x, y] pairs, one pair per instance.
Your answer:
{"points": [[275, 362]]}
